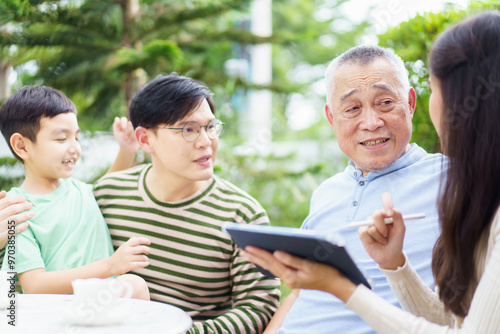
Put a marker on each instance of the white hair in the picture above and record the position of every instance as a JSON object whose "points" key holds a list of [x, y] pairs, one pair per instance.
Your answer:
{"points": [[362, 55]]}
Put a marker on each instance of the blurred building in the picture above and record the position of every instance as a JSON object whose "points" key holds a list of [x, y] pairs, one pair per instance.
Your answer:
{"points": [[254, 64]]}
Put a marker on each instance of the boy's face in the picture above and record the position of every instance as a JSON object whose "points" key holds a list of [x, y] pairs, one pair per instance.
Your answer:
{"points": [[57, 149], [180, 160]]}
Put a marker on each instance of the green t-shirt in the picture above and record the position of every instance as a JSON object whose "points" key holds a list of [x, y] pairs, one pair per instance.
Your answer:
{"points": [[68, 230]]}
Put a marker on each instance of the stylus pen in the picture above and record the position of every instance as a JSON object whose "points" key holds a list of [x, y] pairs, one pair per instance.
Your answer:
{"points": [[386, 220]]}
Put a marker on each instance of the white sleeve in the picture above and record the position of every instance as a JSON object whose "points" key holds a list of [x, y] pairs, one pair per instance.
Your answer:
{"points": [[483, 316], [415, 296]]}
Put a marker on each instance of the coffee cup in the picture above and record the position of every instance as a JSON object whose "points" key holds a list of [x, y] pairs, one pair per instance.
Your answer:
{"points": [[97, 301]]}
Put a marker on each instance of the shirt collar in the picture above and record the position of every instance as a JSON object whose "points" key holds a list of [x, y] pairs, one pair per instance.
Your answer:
{"points": [[411, 156]]}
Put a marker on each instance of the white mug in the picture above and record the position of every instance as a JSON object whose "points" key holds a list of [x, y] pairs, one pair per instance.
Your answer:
{"points": [[6, 289], [96, 299]]}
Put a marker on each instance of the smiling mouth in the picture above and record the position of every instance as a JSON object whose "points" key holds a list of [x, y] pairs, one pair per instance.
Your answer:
{"points": [[69, 162], [374, 142], [202, 160]]}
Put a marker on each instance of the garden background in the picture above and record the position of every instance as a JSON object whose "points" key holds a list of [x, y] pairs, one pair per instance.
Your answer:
{"points": [[100, 52]]}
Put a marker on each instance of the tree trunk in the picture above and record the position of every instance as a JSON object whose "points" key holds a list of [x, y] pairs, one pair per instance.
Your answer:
{"points": [[5, 69], [130, 8]]}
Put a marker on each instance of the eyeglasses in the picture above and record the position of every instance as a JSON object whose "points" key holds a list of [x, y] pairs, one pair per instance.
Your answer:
{"points": [[191, 131]]}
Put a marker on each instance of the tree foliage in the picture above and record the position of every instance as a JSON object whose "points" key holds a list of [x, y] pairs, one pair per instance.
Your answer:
{"points": [[101, 52], [90, 49], [412, 40]]}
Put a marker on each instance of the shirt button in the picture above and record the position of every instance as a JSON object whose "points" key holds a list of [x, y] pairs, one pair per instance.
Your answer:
{"points": [[355, 174], [354, 203], [361, 183]]}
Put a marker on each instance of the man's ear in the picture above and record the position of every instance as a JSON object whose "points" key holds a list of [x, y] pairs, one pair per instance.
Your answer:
{"points": [[412, 100], [329, 114], [144, 137], [19, 145]]}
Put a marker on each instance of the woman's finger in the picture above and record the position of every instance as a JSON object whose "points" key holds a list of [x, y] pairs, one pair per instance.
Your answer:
{"points": [[290, 260], [12, 205], [379, 228], [387, 203], [264, 259], [376, 236]]}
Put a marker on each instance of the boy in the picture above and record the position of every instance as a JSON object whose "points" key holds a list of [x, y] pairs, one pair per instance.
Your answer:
{"points": [[68, 237], [179, 204]]}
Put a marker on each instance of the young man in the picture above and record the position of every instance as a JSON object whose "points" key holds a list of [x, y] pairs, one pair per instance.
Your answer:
{"points": [[68, 237], [179, 205]]}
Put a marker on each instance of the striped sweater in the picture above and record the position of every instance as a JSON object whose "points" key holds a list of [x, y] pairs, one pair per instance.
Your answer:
{"points": [[193, 264]]}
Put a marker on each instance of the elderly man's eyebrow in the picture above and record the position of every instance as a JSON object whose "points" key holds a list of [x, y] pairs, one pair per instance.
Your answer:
{"points": [[379, 86], [386, 87], [346, 95]]}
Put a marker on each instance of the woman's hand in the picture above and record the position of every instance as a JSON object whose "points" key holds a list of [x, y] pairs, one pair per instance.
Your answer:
{"points": [[298, 273], [384, 242], [13, 210]]}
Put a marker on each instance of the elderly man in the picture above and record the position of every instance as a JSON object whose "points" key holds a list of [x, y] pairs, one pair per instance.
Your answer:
{"points": [[370, 107]]}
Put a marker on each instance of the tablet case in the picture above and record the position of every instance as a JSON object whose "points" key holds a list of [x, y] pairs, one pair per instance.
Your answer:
{"points": [[311, 245]]}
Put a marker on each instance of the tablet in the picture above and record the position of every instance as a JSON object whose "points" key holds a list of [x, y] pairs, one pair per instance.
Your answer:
{"points": [[312, 245]]}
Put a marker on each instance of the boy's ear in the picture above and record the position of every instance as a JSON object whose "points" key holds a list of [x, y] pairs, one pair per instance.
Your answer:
{"points": [[19, 144], [144, 137]]}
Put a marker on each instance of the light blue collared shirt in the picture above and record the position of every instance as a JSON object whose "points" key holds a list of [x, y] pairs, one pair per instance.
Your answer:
{"points": [[413, 181]]}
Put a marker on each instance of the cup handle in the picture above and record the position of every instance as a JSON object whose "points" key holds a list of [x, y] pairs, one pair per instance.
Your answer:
{"points": [[129, 289]]}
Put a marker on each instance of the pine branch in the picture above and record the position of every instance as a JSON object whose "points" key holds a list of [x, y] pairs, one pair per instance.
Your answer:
{"points": [[55, 35], [168, 16]]}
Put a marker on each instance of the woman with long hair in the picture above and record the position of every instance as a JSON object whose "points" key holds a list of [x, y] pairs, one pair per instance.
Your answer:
{"points": [[465, 109]]}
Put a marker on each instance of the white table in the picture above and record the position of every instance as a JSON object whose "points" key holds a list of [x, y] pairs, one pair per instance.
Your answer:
{"points": [[47, 314]]}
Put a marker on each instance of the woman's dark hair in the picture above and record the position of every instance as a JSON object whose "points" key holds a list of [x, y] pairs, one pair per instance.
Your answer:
{"points": [[166, 100], [466, 61]]}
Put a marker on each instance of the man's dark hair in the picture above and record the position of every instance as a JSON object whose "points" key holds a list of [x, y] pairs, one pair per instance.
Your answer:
{"points": [[21, 112], [166, 100]]}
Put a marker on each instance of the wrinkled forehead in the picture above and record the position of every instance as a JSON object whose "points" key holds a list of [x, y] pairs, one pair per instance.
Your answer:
{"points": [[377, 75]]}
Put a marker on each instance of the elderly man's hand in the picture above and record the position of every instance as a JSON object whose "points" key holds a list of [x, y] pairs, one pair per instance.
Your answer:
{"points": [[13, 210]]}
